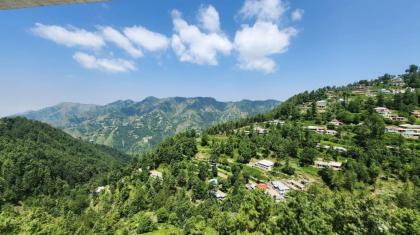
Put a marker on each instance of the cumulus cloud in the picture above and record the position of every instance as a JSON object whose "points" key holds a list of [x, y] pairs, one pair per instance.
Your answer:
{"points": [[109, 65], [70, 36], [209, 19], [114, 36], [190, 44], [256, 43], [263, 10], [147, 39], [297, 14]]}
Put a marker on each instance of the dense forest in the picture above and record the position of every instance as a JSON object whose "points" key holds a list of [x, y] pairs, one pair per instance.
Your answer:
{"points": [[348, 156]]}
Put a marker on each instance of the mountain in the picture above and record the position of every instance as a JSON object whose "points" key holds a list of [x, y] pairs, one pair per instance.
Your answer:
{"points": [[322, 162], [135, 126], [36, 158]]}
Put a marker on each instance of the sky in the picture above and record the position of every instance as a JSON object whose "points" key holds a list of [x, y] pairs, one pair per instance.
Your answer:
{"points": [[98, 53]]}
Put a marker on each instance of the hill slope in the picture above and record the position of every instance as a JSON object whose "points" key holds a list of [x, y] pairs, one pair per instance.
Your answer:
{"points": [[134, 126], [36, 158]]}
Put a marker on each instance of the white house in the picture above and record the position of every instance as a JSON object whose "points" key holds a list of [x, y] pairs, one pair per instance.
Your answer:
{"points": [[265, 164], [318, 129], [280, 187], [398, 81], [331, 132], [385, 112], [406, 130], [385, 91], [260, 130], [335, 122], [321, 104], [331, 164], [220, 195], [100, 189], [340, 149], [156, 174]]}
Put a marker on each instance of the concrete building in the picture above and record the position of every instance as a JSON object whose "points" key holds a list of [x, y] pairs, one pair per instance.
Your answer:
{"points": [[265, 164], [384, 112]]}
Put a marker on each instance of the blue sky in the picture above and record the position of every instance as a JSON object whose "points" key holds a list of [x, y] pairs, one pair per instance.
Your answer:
{"points": [[98, 53]]}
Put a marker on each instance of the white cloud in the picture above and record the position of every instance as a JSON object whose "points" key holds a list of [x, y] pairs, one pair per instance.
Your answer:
{"points": [[256, 43], [297, 15], [209, 19], [112, 35], [263, 10], [70, 36], [147, 39], [108, 65], [190, 44]]}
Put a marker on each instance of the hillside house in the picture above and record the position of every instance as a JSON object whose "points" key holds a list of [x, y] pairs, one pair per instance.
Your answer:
{"points": [[265, 164], [99, 189], [340, 149], [416, 113], [360, 89], [406, 130], [331, 132], [321, 104], [262, 186], [280, 187], [260, 130], [397, 118], [219, 195], [331, 164], [385, 91], [275, 122], [317, 129], [398, 81], [156, 174], [335, 122], [384, 112]]}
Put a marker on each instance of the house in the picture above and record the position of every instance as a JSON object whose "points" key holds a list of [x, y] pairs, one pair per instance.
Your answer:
{"points": [[280, 187], [340, 149], [335, 122], [275, 122], [317, 129], [385, 112], [398, 81], [416, 113], [260, 130], [213, 181], [156, 174], [331, 164], [406, 130], [385, 91], [220, 195], [394, 117], [397, 91], [331, 132], [265, 164], [321, 104], [360, 89], [262, 186], [394, 129], [100, 189]]}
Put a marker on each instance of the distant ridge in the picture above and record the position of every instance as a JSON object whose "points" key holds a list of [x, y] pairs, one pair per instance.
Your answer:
{"points": [[132, 126]]}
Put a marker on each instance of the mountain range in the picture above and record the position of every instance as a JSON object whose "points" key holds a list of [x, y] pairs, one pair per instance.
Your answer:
{"points": [[131, 126]]}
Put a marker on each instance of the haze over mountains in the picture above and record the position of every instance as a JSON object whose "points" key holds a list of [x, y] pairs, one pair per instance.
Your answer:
{"points": [[135, 126]]}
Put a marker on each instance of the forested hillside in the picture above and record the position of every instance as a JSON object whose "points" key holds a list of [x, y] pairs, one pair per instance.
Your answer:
{"points": [[36, 159], [339, 160], [137, 126]]}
